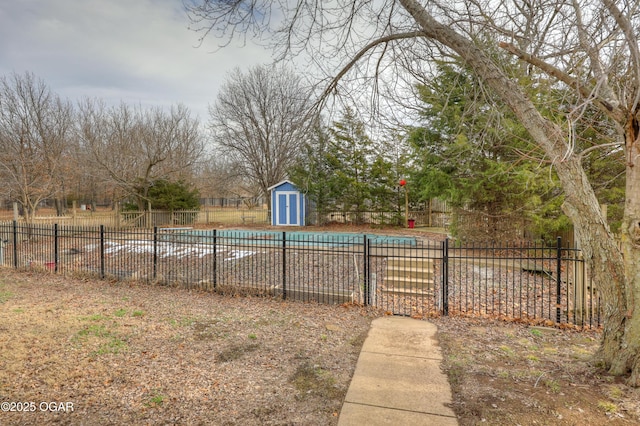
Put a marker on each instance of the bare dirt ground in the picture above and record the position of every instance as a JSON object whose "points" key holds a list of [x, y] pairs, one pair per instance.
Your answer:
{"points": [[513, 374], [82, 351]]}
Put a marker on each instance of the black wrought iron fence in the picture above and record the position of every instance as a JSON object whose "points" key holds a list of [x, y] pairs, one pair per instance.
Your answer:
{"points": [[399, 274], [527, 280]]}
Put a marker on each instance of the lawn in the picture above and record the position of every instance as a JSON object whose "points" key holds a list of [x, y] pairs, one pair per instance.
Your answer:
{"points": [[122, 353]]}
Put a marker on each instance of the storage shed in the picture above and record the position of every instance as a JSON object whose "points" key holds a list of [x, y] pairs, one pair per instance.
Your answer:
{"points": [[287, 205]]}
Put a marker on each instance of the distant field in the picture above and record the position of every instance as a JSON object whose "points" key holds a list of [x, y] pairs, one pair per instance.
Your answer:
{"points": [[107, 217]]}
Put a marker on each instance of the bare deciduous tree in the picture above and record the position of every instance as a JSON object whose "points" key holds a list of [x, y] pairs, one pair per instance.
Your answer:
{"points": [[259, 122], [35, 127], [588, 46], [133, 147], [219, 177]]}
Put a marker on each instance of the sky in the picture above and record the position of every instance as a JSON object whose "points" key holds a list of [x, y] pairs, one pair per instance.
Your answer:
{"points": [[136, 51]]}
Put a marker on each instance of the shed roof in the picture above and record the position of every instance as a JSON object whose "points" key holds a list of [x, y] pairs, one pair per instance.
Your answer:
{"points": [[271, 188]]}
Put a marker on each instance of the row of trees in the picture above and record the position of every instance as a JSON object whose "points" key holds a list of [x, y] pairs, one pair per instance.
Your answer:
{"points": [[136, 149], [50, 149], [469, 150], [53, 150], [473, 152], [342, 169]]}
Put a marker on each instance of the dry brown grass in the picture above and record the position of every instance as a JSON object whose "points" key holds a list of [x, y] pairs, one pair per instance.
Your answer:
{"points": [[124, 353]]}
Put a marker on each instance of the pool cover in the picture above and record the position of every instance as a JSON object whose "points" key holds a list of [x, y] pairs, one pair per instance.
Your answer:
{"points": [[295, 238]]}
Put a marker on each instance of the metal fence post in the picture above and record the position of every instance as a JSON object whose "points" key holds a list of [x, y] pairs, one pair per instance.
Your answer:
{"points": [[284, 265], [215, 258], [559, 279], [155, 252], [15, 244], [365, 272], [102, 273], [55, 247], [445, 277]]}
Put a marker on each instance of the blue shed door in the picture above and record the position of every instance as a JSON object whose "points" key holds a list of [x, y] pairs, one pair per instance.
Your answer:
{"points": [[287, 208]]}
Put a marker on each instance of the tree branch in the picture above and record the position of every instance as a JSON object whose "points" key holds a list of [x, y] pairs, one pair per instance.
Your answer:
{"points": [[382, 40], [595, 147], [632, 43], [572, 82]]}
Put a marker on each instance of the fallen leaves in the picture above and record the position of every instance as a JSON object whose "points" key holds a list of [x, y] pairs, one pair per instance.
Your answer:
{"points": [[168, 370]]}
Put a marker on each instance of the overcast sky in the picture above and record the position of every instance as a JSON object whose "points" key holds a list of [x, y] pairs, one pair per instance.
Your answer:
{"points": [[137, 51]]}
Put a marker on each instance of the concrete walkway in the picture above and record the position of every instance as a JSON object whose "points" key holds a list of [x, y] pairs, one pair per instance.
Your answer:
{"points": [[398, 380]]}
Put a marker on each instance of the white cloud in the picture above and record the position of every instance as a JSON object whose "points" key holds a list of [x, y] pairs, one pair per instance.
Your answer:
{"points": [[136, 51]]}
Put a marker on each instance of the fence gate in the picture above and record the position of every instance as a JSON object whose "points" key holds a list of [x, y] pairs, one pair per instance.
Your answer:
{"points": [[406, 279]]}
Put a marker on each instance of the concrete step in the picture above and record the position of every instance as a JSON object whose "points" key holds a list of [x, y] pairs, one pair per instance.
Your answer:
{"points": [[409, 276], [403, 282], [409, 272], [409, 262], [408, 282], [421, 251]]}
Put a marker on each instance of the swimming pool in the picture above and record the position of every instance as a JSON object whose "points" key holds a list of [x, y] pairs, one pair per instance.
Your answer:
{"points": [[292, 238]]}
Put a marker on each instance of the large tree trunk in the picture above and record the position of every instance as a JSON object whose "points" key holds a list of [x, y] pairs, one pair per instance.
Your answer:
{"points": [[617, 281], [606, 264], [627, 356]]}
